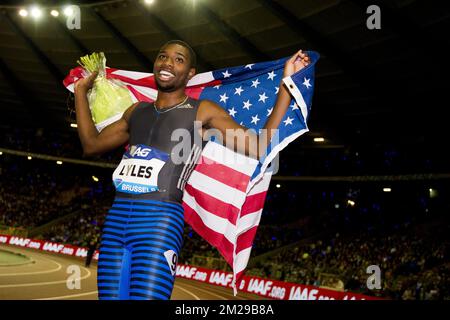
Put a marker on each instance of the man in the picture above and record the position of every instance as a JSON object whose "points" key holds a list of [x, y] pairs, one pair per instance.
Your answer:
{"points": [[142, 235]]}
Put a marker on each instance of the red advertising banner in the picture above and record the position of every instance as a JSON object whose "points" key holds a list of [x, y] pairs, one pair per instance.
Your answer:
{"points": [[265, 287], [272, 289], [47, 246]]}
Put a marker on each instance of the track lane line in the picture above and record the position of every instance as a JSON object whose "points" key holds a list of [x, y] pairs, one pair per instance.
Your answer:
{"points": [[32, 284], [36, 272], [70, 296], [188, 292], [203, 290]]}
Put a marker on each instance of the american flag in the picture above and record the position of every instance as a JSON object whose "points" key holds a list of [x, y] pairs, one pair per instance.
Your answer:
{"points": [[224, 196]]}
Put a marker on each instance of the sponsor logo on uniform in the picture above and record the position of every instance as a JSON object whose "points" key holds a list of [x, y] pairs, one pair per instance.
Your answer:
{"points": [[186, 106]]}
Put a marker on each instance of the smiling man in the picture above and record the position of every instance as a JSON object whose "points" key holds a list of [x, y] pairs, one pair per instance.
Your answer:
{"points": [[142, 234]]}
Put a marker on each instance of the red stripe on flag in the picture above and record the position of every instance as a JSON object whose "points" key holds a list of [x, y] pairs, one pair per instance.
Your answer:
{"points": [[139, 96], [253, 203], [238, 277], [222, 173], [74, 75], [148, 81], [213, 205], [195, 91], [214, 238], [245, 240]]}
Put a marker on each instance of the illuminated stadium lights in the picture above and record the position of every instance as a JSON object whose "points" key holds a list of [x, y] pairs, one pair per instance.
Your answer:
{"points": [[95, 178], [36, 12], [351, 203], [319, 139], [23, 12], [59, 162], [68, 11], [73, 125], [387, 189], [29, 158], [337, 206], [54, 13], [278, 186], [433, 193], [149, 1], [1, 153]]}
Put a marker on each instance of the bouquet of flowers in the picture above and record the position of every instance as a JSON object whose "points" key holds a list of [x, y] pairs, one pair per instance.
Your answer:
{"points": [[109, 97]]}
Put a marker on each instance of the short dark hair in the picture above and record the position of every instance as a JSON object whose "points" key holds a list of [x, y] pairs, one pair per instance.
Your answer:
{"points": [[193, 56]]}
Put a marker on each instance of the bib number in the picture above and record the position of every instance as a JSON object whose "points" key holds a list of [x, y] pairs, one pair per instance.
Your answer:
{"points": [[139, 169]]}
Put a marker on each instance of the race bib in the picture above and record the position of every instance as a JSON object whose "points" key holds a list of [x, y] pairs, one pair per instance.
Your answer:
{"points": [[138, 171]]}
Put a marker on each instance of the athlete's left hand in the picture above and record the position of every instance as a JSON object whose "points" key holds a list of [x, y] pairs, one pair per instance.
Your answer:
{"points": [[296, 63]]}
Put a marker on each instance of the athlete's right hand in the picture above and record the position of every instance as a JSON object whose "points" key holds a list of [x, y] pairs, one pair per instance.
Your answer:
{"points": [[84, 84]]}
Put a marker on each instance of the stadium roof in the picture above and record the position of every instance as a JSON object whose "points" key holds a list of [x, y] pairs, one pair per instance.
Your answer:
{"points": [[386, 84]]}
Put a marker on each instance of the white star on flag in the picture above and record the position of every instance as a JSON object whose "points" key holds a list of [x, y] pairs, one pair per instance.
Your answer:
{"points": [[247, 105], [306, 83], [256, 83], [255, 119], [238, 90], [223, 98], [276, 90], [217, 87], [249, 66], [232, 112], [294, 106], [263, 97], [271, 75], [269, 111], [288, 121], [226, 74]]}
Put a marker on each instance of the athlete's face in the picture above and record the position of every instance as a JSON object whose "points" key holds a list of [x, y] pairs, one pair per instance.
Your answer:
{"points": [[172, 68]]}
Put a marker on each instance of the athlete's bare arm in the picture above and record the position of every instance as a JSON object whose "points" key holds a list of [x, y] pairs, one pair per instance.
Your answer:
{"points": [[245, 141], [111, 137]]}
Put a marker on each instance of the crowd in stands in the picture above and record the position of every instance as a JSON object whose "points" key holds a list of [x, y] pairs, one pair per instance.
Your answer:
{"points": [[413, 257], [35, 192], [79, 229], [302, 158], [49, 142], [31, 196]]}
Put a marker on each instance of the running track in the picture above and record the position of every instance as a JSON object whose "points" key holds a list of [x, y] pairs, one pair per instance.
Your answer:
{"points": [[46, 279]]}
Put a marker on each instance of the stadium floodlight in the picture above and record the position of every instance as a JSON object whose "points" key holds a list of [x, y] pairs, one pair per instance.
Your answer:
{"points": [[59, 162], [278, 186], [1, 153], [54, 13], [95, 178], [351, 202], [387, 189], [320, 139], [149, 1], [23, 13], [73, 125], [68, 11], [29, 157], [36, 12], [433, 193]]}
